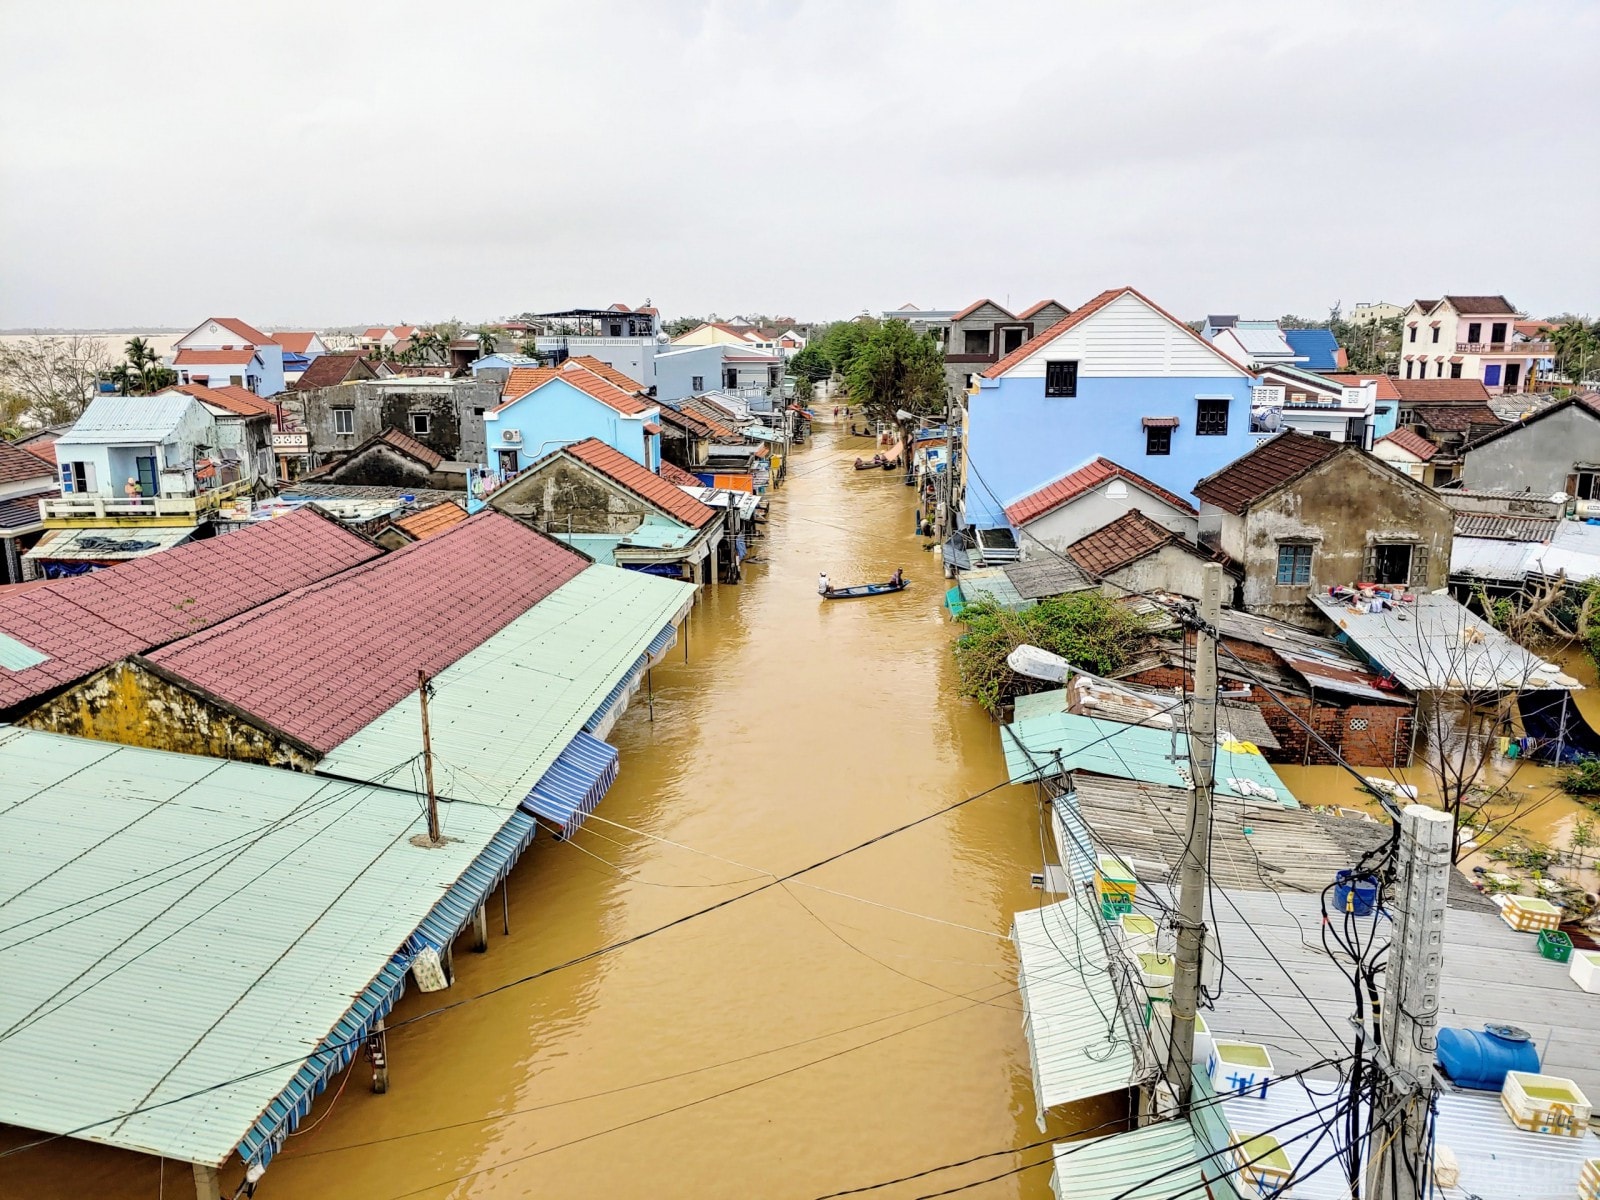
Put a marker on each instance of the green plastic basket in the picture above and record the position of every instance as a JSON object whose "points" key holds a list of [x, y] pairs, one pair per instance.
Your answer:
{"points": [[1112, 907], [1555, 945]]}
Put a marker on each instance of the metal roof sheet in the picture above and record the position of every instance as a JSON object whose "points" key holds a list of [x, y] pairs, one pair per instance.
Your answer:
{"points": [[1077, 1038], [129, 419], [996, 584], [1434, 643], [1038, 578], [173, 922], [1046, 745], [1117, 1167], [105, 545], [504, 711]]}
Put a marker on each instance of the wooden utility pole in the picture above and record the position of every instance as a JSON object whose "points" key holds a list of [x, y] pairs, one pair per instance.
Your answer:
{"points": [[1411, 1007], [1191, 913], [427, 759]]}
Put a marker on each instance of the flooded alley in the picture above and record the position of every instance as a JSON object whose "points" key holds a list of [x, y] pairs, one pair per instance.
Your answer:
{"points": [[851, 1026]]}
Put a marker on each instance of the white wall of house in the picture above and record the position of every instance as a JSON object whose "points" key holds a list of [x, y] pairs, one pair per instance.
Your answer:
{"points": [[1401, 459], [1128, 337], [1169, 569], [1060, 527]]}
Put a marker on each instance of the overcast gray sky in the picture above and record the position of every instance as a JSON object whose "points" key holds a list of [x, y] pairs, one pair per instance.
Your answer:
{"points": [[329, 162]]}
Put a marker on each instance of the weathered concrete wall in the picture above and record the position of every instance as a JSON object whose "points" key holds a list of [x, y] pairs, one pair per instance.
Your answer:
{"points": [[455, 408], [379, 466], [132, 705], [1344, 506], [1537, 457], [562, 497], [1169, 569]]}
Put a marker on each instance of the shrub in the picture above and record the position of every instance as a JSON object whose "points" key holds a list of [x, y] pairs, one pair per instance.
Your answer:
{"points": [[1091, 632], [1582, 778]]}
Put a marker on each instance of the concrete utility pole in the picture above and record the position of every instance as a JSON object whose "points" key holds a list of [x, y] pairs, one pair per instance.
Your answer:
{"points": [[1411, 1007], [427, 760], [1191, 916]]}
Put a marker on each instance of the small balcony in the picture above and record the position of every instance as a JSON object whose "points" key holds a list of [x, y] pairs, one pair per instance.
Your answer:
{"points": [[1524, 349], [84, 508]]}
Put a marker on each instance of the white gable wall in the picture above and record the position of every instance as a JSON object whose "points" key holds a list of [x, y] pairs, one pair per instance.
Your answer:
{"points": [[1096, 508], [1129, 338]]}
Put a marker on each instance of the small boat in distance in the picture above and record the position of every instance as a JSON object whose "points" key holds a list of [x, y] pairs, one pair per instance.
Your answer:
{"points": [[866, 589], [863, 464]]}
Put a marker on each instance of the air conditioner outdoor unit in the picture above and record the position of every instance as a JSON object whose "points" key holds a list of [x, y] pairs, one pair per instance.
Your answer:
{"points": [[511, 435]]}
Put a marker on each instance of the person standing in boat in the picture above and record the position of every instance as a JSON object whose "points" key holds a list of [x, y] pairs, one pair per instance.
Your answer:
{"points": [[823, 587], [898, 578]]}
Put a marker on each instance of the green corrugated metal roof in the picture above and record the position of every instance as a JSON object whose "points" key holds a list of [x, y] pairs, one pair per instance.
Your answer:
{"points": [[598, 546], [1077, 1038], [1124, 752], [169, 922], [996, 584], [1120, 1165], [503, 712]]}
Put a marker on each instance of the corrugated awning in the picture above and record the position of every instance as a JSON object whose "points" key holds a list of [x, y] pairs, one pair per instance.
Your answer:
{"points": [[573, 786], [1159, 422]]}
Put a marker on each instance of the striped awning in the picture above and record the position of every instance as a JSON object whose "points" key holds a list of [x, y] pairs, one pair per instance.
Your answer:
{"points": [[1159, 422], [573, 786]]}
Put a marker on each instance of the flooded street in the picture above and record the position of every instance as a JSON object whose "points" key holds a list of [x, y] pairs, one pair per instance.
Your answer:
{"points": [[792, 1044]]}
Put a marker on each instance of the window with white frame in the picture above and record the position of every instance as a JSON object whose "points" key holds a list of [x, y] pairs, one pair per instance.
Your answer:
{"points": [[421, 423], [344, 421]]}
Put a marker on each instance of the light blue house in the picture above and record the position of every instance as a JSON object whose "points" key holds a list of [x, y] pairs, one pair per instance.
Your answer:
{"points": [[1118, 378], [543, 408], [684, 371]]}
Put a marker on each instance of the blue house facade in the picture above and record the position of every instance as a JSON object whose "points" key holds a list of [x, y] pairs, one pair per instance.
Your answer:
{"points": [[564, 408], [1119, 378]]}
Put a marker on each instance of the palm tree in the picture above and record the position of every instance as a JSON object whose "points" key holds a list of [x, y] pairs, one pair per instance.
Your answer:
{"points": [[1576, 345], [124, 378], [486, 341], [139, 352]]}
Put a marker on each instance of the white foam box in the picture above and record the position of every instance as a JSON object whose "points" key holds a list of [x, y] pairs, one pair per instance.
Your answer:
{"points": [[1589, 1180], [1530, 914], [1264, 1167], [1545, 1104], [1239, 1068], [1584, 969]]}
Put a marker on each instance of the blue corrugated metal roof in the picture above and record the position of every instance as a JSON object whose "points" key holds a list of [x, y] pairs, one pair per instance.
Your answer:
{"points": [[571, 789], [658, 646], [1318, 347]]}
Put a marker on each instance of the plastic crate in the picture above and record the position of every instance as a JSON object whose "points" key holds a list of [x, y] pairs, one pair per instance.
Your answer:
{"points": [[1555, 945], [1112, 907]]}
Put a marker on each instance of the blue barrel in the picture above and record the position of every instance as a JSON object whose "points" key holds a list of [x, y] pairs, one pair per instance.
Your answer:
{"points": [[1366, 895], [1481, 1060]]}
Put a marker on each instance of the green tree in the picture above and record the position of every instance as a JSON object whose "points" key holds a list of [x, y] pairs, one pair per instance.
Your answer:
{"points": [[803, 388], [530, 347], [811, 364], [839, 342], [679, 326], [895, 369], [486, 341]]}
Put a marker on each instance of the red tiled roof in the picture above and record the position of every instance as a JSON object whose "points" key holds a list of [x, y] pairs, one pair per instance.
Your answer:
{"points": [[91, 621], [974, 307], [436, 518], [606, 371], [17, 465], [1031, 309], [237, 400], [649, 428], [1040, 340], [1456, 418], [295, 343], [45, 450], [652, 487], [409, 446], [678, 477], [522, 381], [1075, 483], [323, 661], [1128, 538], [243, 329], [1266, 468], [1442, 391], [375, 334], [327, 370], [214, 358], [1491, 305], [1411, 442], [1384, 391]]}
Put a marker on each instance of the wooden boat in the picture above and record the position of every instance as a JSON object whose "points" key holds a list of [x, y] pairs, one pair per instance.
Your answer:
{"points": [[864, 465], [865, 589], [889, 464]]}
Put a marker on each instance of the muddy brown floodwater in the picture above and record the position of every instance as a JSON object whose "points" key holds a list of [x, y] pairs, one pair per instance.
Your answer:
{"points": [[791, 1044]]}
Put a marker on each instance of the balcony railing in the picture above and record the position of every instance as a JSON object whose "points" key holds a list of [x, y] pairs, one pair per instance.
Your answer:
{"points": [[1531, 349], [84, 507]]}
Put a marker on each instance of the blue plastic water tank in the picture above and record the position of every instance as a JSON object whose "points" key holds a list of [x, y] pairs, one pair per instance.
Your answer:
{"points": [[1481, 1060]]}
